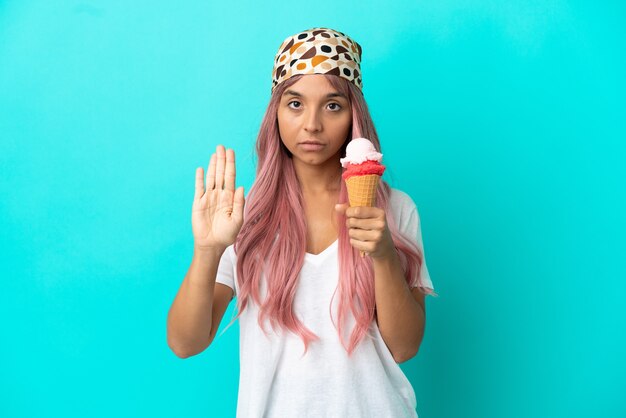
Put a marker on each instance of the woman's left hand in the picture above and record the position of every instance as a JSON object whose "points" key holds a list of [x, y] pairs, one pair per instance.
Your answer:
{"points": [[367, 229]]}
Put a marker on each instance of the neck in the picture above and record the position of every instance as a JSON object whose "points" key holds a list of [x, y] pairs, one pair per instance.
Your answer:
{"points": [[318, 180]]}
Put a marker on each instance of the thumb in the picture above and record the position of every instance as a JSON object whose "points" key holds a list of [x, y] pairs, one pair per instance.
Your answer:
{"points": [[341, 207], [238, 204]]}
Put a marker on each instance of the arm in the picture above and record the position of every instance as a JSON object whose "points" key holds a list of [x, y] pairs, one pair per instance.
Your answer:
{"points": [[400, 312], [400, 315], [216, 218], [190, 317]]}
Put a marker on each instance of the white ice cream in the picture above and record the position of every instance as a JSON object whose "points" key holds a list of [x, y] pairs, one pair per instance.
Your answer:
{"points": [[358, 151]]}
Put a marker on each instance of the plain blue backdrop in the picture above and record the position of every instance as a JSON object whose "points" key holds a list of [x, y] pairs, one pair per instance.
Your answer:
{"points": [[504, 121]]}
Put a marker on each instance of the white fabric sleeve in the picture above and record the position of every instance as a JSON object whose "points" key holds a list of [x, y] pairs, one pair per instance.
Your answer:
{"points": [[412, 227], [226, 270]]}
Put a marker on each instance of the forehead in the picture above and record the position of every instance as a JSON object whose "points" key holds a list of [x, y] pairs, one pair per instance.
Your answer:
{"points": [[312, 86]]}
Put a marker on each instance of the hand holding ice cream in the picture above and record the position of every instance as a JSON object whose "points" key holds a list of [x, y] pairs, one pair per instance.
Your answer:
{"points": [[362, 175]]}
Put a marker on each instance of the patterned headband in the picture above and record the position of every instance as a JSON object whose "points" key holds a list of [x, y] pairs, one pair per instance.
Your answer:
{"points": [[318, 51]]}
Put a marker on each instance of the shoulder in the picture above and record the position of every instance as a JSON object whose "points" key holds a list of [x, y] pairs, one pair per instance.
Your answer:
{"points": [[400, 202], [399, 198], [403, 210], [229, 254]]}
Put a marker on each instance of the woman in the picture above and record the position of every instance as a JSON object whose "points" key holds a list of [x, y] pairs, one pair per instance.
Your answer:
{"points": [[294, 244]]}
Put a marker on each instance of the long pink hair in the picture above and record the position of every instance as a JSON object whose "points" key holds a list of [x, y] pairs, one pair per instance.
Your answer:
{"points": [[275, 206]]}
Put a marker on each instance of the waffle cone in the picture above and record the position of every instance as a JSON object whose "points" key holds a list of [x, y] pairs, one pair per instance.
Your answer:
{"points": [[362, 189]]}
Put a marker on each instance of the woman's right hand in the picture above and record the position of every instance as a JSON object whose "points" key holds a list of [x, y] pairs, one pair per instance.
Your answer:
{"points": [[217, 212]]}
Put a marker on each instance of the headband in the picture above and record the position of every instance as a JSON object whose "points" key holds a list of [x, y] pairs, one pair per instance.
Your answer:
{"points": [[318, 51]]}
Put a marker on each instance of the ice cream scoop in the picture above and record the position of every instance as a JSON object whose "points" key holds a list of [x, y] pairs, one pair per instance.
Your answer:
{"points": [[361, 159], [360, 150]]}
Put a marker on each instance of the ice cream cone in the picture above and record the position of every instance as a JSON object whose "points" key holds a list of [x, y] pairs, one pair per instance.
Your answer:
{"points": [[362, 191], [362, 172]]}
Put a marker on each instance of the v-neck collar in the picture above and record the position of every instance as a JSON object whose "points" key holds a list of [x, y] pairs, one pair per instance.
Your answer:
{"points": [[322, 255]]}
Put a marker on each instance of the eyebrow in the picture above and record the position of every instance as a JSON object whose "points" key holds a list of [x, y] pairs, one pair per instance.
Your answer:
{"points": [[328, 96]]}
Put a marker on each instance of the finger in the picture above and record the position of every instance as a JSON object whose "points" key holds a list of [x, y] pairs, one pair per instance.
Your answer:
{"points": [[341, 207], [365, 224], [199, 191], [362, 246], [230, 170], [210, 174], [364, 235], [219, 168], [362, 212], [238, 205]]}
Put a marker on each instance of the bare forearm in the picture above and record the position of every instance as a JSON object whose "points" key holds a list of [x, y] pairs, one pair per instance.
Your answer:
{"points": [[400, 317], [190, 317]]}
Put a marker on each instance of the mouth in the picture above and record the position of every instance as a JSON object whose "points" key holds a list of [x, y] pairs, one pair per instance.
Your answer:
{"points": [[311, 146]]}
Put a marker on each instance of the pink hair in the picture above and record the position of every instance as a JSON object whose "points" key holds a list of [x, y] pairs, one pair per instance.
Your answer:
{"points": [[274, 206]]}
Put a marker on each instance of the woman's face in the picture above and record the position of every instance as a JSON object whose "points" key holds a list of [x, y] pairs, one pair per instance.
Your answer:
{"points": [[312, 110]]}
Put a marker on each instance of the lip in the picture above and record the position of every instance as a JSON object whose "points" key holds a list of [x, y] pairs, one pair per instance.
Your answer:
{"points": [[311, 146]]}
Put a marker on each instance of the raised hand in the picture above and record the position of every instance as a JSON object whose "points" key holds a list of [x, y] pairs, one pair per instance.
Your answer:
{"points": [[217, 212]]}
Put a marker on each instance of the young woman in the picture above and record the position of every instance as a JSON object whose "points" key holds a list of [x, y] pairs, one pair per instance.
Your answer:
{"points": [[322, 328]]}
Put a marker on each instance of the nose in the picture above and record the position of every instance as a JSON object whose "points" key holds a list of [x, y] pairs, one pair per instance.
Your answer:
{"points": [[312, 121]]}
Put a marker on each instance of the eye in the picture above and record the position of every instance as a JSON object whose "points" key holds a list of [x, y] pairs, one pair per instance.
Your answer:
{"points": [[335, 109], [293, 101]]}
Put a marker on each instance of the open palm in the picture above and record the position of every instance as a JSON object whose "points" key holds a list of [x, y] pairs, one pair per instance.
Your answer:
{"points": [[217, 212]]}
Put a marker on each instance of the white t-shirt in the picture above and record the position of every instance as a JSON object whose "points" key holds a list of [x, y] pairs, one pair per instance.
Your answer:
{"points": [[276, 381]]}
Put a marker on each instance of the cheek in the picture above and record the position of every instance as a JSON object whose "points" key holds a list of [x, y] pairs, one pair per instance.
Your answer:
{"points": [[285, 126], [347, 119], [287, 132], [342, 126]]}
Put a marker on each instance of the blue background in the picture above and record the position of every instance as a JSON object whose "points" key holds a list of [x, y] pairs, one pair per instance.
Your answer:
{"points": [[505, 121]]}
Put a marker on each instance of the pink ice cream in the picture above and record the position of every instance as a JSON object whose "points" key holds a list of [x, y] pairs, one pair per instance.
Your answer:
{"points": [[361, 158]]}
